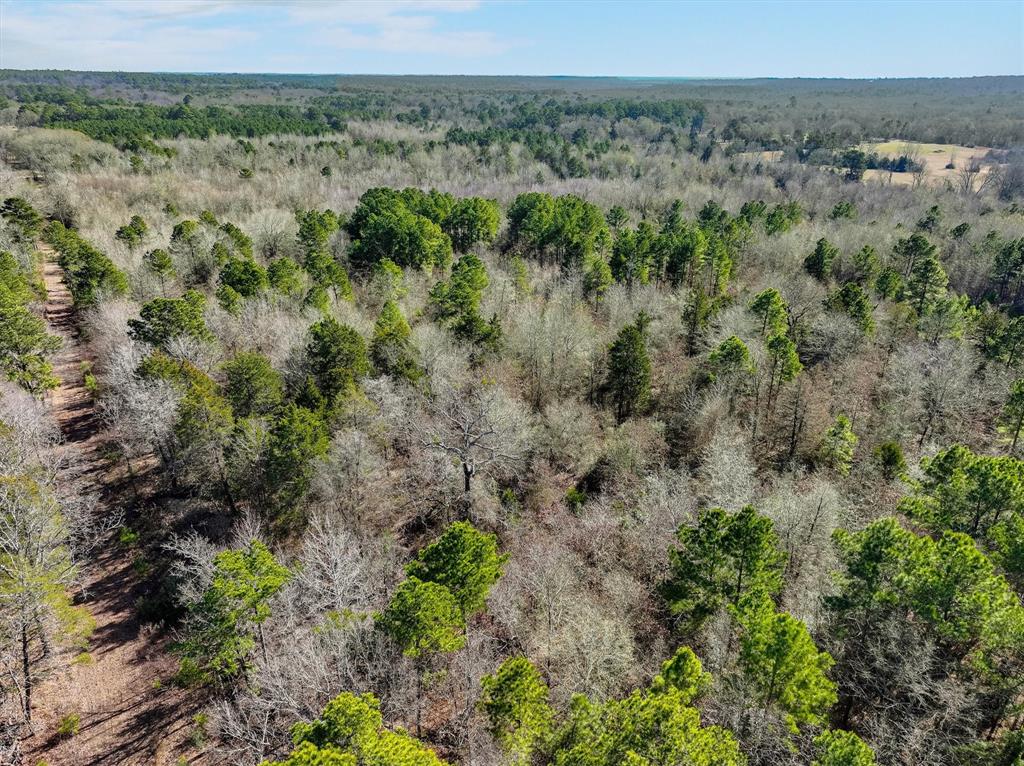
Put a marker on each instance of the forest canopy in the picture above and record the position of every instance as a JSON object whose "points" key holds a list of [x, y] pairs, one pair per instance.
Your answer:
{"points": [[514, 421]]}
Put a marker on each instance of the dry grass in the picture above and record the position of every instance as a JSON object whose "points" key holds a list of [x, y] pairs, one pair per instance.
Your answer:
{"points": [[934, 157]]}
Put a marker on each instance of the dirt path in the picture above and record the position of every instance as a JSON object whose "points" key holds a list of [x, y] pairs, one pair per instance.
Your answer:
{"points": [[130, 713]]}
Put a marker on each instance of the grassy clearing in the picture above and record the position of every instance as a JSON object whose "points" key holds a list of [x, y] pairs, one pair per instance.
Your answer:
{"points": [[936, 159]]}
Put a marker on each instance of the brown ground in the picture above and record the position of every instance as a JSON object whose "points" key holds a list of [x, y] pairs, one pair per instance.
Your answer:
{"points": [[130, 712]]}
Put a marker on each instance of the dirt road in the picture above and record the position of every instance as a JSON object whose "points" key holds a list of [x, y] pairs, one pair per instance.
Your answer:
{"points": [[130, 713]]}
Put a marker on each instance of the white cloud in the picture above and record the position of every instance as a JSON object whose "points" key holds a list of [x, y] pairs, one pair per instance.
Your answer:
{"points": [[113, 35], [379, 12], [394, 27], [230, 35]]}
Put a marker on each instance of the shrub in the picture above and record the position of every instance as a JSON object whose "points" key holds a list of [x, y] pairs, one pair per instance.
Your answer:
{"points": [[69, 725], [575, 499]]}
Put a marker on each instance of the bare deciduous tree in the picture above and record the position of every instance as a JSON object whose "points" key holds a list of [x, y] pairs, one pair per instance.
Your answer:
{"points": [[479, 425]]}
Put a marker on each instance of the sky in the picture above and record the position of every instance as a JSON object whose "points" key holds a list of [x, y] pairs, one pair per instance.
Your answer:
{"points": [[519, 37]]}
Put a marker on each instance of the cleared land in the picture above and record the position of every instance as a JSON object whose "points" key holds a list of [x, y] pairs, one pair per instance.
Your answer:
{"points": [[936, 159]]}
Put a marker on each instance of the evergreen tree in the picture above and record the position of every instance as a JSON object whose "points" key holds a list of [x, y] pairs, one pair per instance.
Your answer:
{"points": [[185, 238], [531, 219], [597, 277], [315, 231], [927, 283], [838, 445], [337, 358], [931, 220], [850, 299], [753, 210], [889, 458], [163, 319], [87, 271], [780, 660], [966, 492], [204, 426], [391, 350], [888, 284], [298, 437], [616, 217], [240, 241], [1007, 542], [389, 279], [244, 276], [25, 345], [697, 313], [457, 302], [1008, 268], [465, 561], [285, 276], [18, 212], [948, 317], [913, 249], [716, 267], [567, 228], [317, 298], [730, 359], [866, 265], [819, 263], [782, 218], [515, 701], [785, 364], [841, 748], [684, 249], [133, 232], [159, 262], [633, 255], [629, 370], [1008, 344], [406, 228], [722, 560], [654, 725], [226, 623], [843, 209], [944, 591], [1012, 418], [229, 299], [424, 619], [252, 385], [351, 732], [771, 310], [472, 221]]}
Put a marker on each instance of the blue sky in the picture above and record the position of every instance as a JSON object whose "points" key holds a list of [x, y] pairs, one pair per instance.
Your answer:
{"points": [[557, 37]]}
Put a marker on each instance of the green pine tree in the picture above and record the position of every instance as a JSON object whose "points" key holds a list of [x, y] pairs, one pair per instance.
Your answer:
{"points": [[519, 715], [628, 379]]}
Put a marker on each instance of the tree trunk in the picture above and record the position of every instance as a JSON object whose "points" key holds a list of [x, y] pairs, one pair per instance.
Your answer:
{"points": [[26, 670], [757, 412], [469, 691], [419, 697], [227, 493], [131, 476], [795, 430], [263, 643]]}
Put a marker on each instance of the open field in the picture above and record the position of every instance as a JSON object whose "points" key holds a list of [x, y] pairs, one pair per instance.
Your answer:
{"points": [[935, 158]]}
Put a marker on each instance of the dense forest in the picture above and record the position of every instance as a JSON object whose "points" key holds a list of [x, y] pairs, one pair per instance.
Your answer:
{"points": [[515, 421]]}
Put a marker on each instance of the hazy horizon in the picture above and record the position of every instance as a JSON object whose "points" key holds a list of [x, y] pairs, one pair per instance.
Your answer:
{"points": [[513, 75]]}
